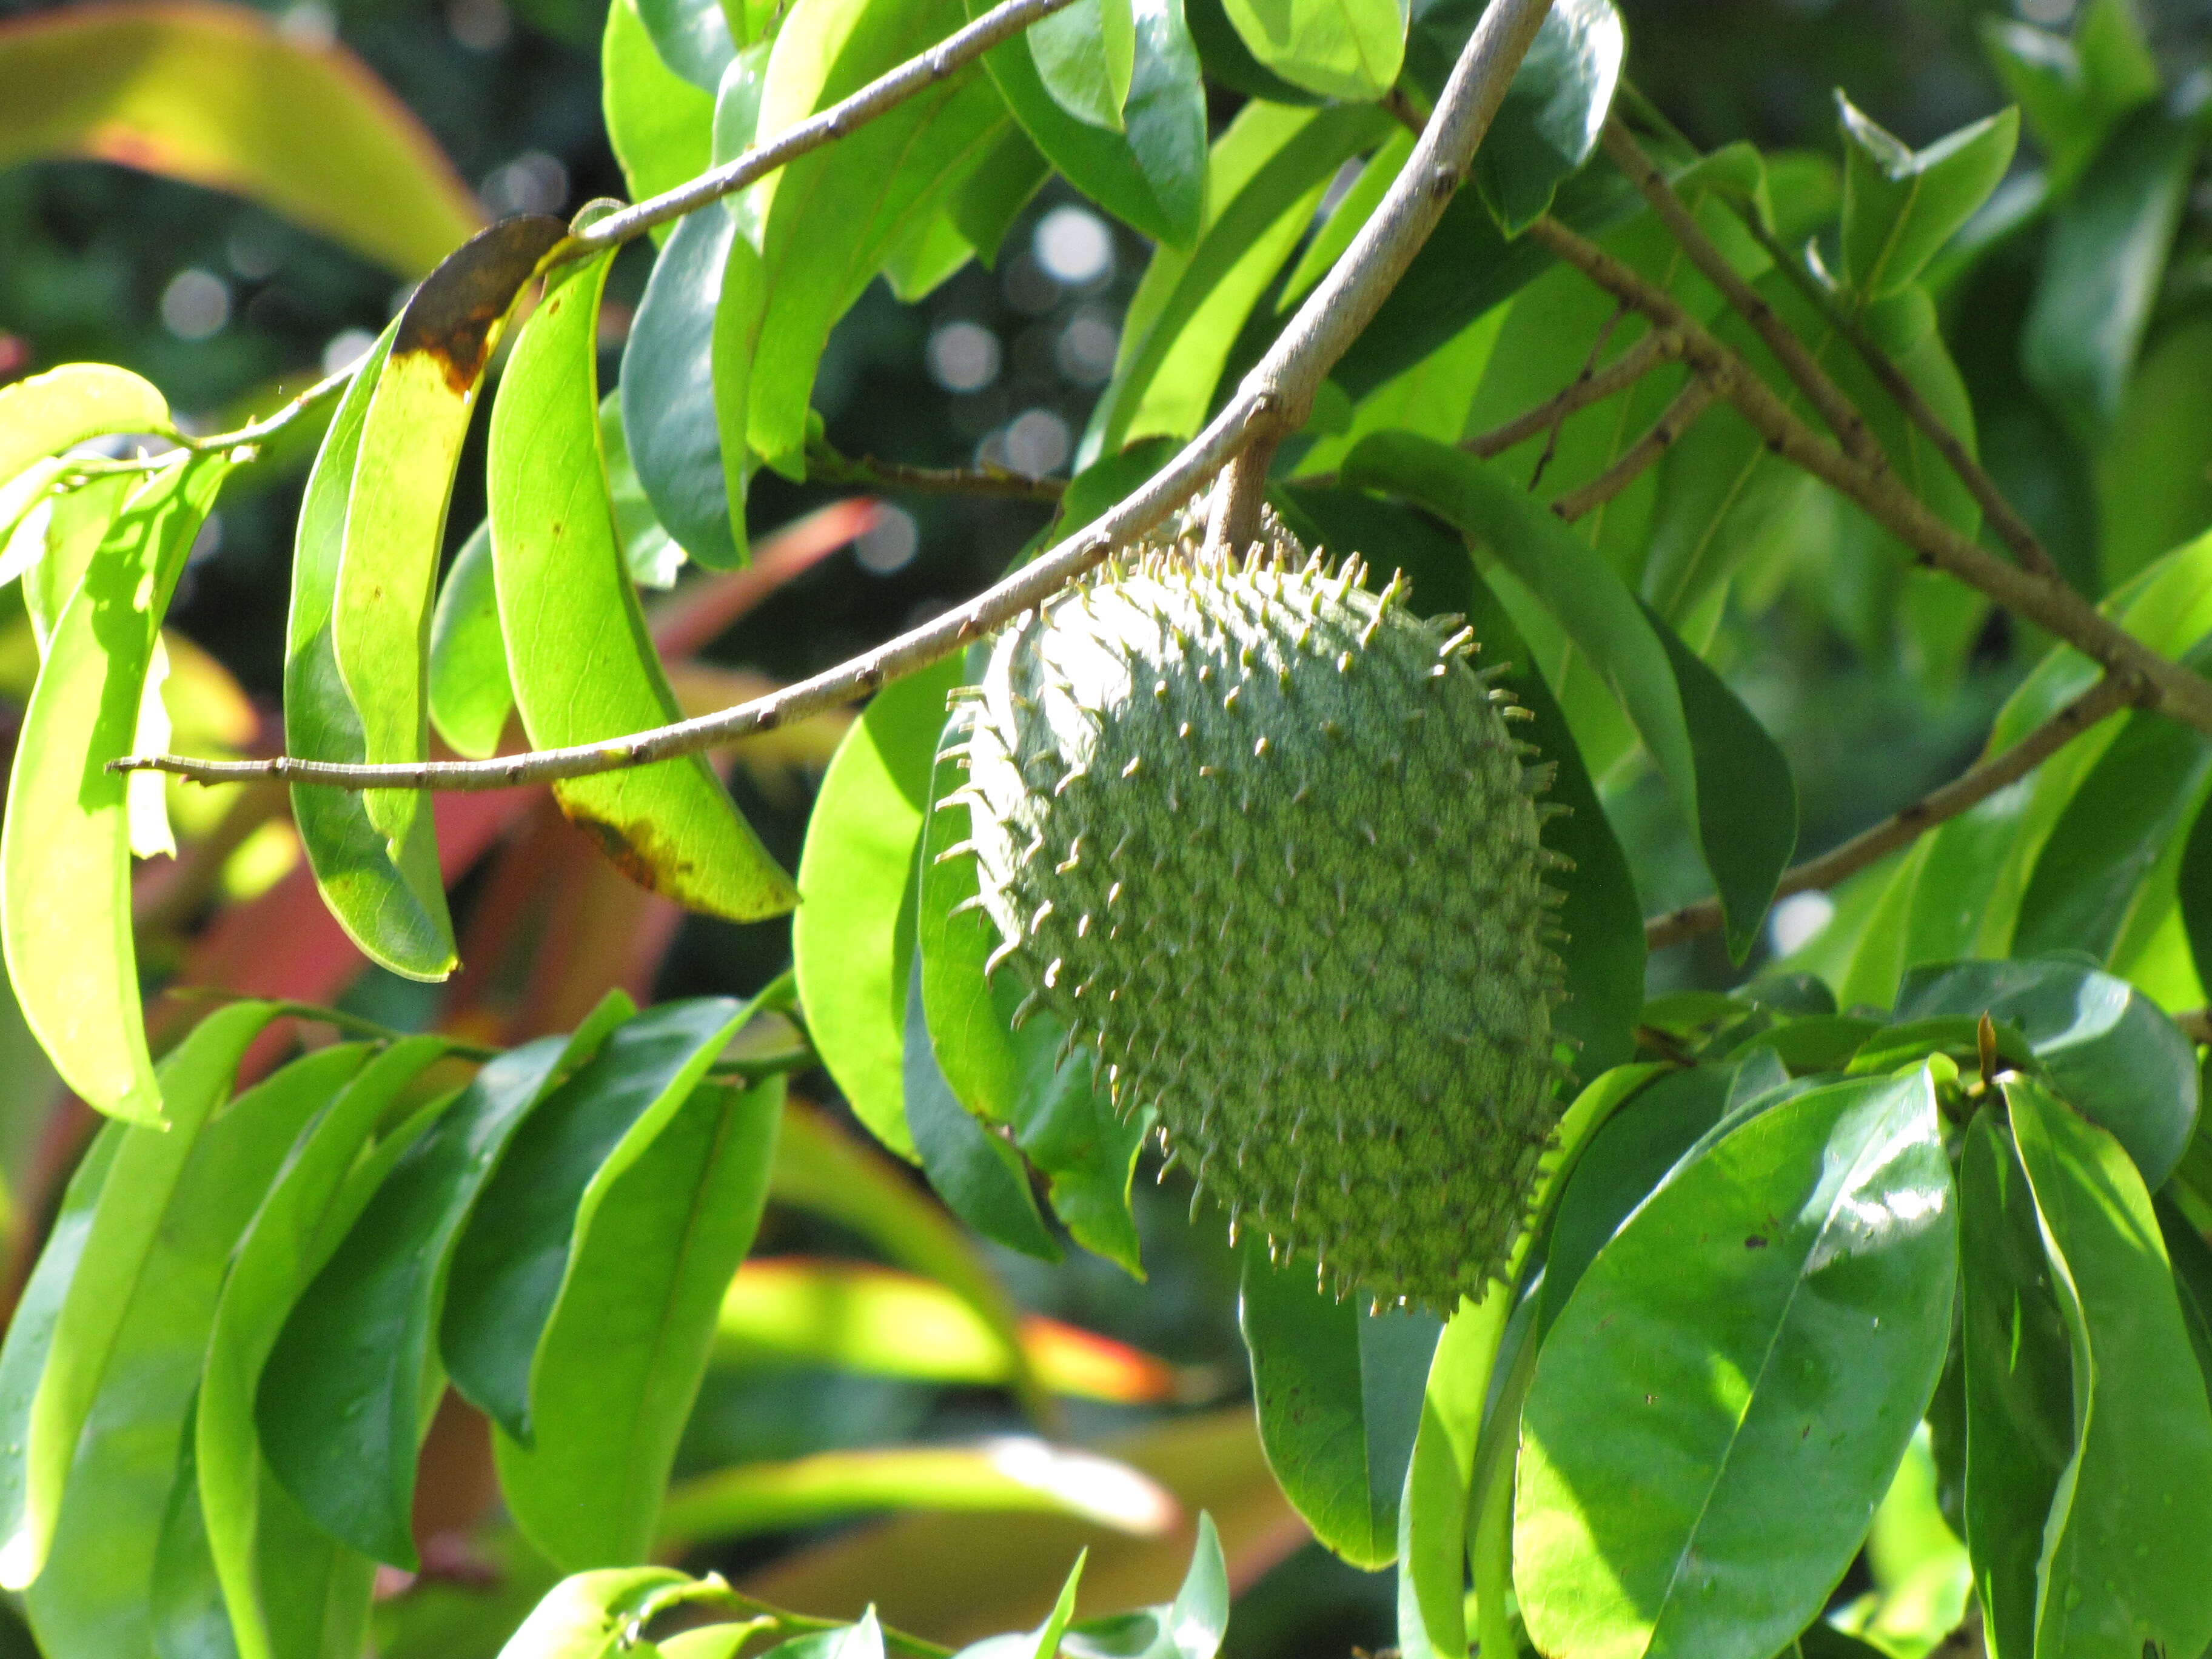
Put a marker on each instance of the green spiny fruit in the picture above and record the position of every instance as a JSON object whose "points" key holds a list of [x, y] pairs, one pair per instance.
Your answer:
{"points": [[1263, 839]]}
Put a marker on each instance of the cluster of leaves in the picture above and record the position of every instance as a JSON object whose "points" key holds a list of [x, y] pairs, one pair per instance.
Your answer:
{"points": [[1736, 1304]]}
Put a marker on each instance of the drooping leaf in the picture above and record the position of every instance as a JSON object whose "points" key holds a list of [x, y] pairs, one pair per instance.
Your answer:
{"points": [[852, 936], [1794, 1281], [65, 848], [2019, 1387], [1901, 205], [623, 1353], [660, 126], [653, 557], [2105, 1047], [511, 1260], [1086, 55], [94, 1595], [394, 529], [667, 392], [261, 1550], [1349, 49], [1339, 1391], [691, 36], [1153, 173], [583, 666], [49, 413], [340, 1403], [1553, 111], [2102, 269], [1726, 777], [1265, 177], [471, 696], [2143, 1429], [392, 907], [222, 96]]}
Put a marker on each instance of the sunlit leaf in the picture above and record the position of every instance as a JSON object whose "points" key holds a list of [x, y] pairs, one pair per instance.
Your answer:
{"points": [[668, 393], [52, 412], [692, 37], [660, 126], [1901, 205], [1349, 49], [470, 694], [1086, 55]]}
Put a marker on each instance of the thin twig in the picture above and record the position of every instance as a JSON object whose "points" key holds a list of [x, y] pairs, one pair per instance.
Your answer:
{"points": [[1901, 828], [2003, 517], [1558, 420], [1841, 415], [1273, 399], [1659, 347], [825, 465], [1232, 521], [1692, 401], [2051, 605], [2196, 1024]]}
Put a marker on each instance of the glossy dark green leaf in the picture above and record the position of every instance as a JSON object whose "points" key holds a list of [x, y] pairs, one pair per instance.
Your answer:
{"points": [[1265, 178], [392, 907], [652, 554], [691, 36], [1553, 111], [623, 1354], [667, 392], [513, 1258], [341, 1401], [470, 695], [2019, 1411], [582, 663], [1349, 49], [394, 529], [1339, 1392], [2104, 1047], [260, 1548], [1901, 205], [2121, 1566], [65, 846], [2102, 264], [1726, 1395], [94, 1595], [660, 126], [1152, 174], [852, 936], [1725, 775]]}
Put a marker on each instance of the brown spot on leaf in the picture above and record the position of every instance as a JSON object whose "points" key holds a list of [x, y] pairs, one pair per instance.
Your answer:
{"points": [[1754, 1242], [639, 849], [452, 315]]}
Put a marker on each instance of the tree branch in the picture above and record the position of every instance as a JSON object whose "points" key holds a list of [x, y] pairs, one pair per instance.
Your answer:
{"points": [[1692, 401], [1270, 401], [1977, 784], [2051, 604], [1658, 347], [825, 465]]}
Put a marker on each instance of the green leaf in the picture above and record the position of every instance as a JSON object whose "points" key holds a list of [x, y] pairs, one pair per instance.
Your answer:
{"points": [[668, 393], [653, 558], [1265, 178], [229, 100], [592, 1615], [393, 907], [1226, 59], [985, 207], [261, 1546], [76, 525], [1043, 1642], [1725, 775], [691, 36], [511, 1260], [2154, 474], [94, 1595], [1086, 55], [2107, 1581], [660, 125], [55, 411], [1349, 49], [1018, 1475], [2102, 264], [394, 531], [620, 1362], [1153, 173], [826, 220], [1553, 111], [470, 695], [1338, 1393], [2105, 1047], [343, 1398], [65, 848], [2073, 91], [583, 665], [1189, 1627], [1901, 205], [1795, 1278], [852, 936], [2020, 1411], [1377, 174]]}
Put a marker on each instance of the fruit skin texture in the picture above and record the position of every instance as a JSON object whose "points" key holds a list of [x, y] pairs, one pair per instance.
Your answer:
{"points": [[1264, 839]]}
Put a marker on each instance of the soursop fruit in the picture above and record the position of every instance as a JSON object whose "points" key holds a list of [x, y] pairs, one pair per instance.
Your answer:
{"points": [[1263, 839]]}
